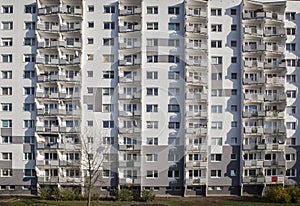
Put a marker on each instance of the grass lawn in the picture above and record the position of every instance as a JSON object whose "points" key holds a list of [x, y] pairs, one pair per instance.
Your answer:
{"points": [[193, 201]]}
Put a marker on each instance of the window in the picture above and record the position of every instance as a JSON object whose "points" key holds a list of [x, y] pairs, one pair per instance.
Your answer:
{"points": [[152, 124], [290, 157], [291, 62], [216, 44], [216, 92], [109, 9], [215, 173], [234, 124], [90, 24], [107, 108], [233, 27], [108, 140], [29, 123], [216, 109], [291, 110], [90, 73], [291, 78], [233, 75], [173, 108], [28, 156], [6, 156], [216, 141], [152, 141], [29, 139], [6, 42], [6, 91], [234, 92], [291, 93], [216, 12], [29, 173], [291, 125], [233, 43], [174, 125], [90, 106], [216, 157], [90, 123], [6, 74], [174, 26], [152, 59], [29, 90], [174, 92], [108, 124], [291, 47], [7, 58], [7, 9], [108, 58], [152, 174], [290, 31], [7, 25], [216, 76], [173, 157], [216, 60], [29, 41], [109, 25], [173, 59], [174, 75], [90, 41], [29, 25], [7, 173], [216, 27], [233, 108], [233, 173], [290, 172], [233, 156], [173, 141], [233, 11], [29, 74], [91, 8], [29, 57], [233, 60], [152, 10], [174, 174], [152, 25], [151, 108], [108, 42], [30, 9], [152, 42], [6, 139], [290, 15], [108, 75], [152, 91], [151, 157], [234, 140], [29, 107], [152, 75], [173, 10], [174, 42]]}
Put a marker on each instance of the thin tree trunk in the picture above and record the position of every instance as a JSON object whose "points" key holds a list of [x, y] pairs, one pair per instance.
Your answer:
{"points": [[89, 196]]}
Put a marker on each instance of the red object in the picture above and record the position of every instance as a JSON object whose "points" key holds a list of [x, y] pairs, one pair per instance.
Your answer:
{"points": [[274, 178]]}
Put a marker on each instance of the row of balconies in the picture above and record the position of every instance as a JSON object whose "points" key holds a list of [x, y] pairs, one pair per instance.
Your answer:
{"points": [[260, 64], [265, 97], [263, 47], [53, 77], [53, 44], [58, 28], [261, 179], [42, 145], [59, 9], [264, 130], [252, 15], [74, 163], [57, 95], [276, 31], [57, 179], [55, 112], [261, 113], [57, 129], [264, 163], [61, 61], [279, 147], [262, 80]]}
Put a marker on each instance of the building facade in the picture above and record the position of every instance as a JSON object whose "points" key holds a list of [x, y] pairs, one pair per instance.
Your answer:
{"points": [[183, 97]]}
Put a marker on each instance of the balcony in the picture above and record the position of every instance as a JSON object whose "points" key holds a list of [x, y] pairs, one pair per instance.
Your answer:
{"points": [[199, 114], [70, 180], [274, 179], [47, 162], [196, 96], [249, 114], [253, 163], [193, 29], [126, 12], [65, 129], [198, 46], [124, 62], [134, 130], [279, 147], [48, 180], [132, 45], [254, 179], [275, 97], [250, 15], [199, 81], [271, 163], [193, 62], [128, 147], [253, 130], [62, 61], [136, 96], [278, 114], [52, 129], [196, 164], [129, 113], [202, 13], [254, 97], [197, 131], [274, 130], [62, 9], [51, 44], [57, 28], [253, 31], [258, 80], [126, 181], [198, 148], [254, 147], [274, 32], [253, 64], [196, 181], [274, 65], [129, 164], [275, 80], [275, 48], [253, 48], [135, 79], [69, 163], [133, 28]]}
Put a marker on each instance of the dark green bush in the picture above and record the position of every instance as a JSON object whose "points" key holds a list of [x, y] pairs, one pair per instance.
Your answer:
{"points": [[124, 194], [45, 193], [147, 195], [278, 194]]}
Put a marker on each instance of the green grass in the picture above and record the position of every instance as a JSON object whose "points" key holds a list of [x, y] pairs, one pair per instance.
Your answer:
{"points": [[211, 201]]}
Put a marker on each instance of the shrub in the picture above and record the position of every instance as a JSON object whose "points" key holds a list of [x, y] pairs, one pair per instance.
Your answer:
{"points": [[147, 195], [45, 193], [278, 194], [68, 194], [295, 195], [124, 195]]}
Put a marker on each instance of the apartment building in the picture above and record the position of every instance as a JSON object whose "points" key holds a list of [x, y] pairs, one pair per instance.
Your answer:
{"points": [[183, 97]]}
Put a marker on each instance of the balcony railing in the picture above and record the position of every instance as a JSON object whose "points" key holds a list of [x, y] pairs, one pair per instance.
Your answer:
{"points": [[201, 30], [259, 80], [59, 9], [130, 28], [125, 12], [254, 130], [254, 97]]}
